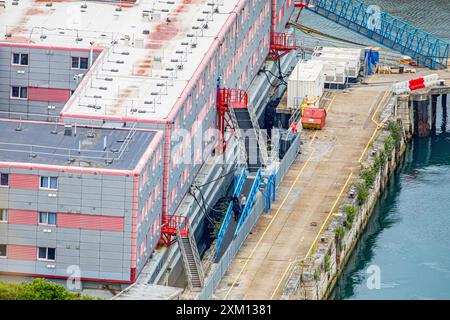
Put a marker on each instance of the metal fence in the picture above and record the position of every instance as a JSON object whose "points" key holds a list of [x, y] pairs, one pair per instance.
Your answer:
{"points": [[219, 269], [288, 159], [222, 266]]}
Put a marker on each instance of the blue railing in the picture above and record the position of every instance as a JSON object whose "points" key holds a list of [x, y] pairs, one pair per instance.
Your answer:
{"points": [[250, 200], [226, 220], [425, 48]]}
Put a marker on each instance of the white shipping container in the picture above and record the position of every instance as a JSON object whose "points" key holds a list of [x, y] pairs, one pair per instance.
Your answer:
{"points": [[344, 51], [335, 71], [353, 63], [307, 79]]}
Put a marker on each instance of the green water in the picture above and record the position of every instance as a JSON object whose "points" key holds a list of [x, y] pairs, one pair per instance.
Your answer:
{"points": [[408, 236]]}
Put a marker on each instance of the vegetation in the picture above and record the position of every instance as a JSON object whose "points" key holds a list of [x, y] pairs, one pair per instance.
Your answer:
{"points": [[316, 275], [351, 213], [327, 262], [216, 228], [363, 193], [394, 128], [339, 232], [38, 289], [368, 176], [389, 145]]}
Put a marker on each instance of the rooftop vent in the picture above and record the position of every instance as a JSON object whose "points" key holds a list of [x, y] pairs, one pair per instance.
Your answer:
{"points": [[68, 130]]}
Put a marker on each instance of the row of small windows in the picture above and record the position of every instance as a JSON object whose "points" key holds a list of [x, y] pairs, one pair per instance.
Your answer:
{"points": [[22, 59], [44, 253], [45, 182], [44, 218]]}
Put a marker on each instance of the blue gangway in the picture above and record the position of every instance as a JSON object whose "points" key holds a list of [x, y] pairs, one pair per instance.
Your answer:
{"points": [[250, 200], [371, 22], [226, 221]]}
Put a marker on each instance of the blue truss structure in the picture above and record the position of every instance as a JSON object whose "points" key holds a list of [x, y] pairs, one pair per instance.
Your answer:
{"points": [[369, 21], [226, 221]]}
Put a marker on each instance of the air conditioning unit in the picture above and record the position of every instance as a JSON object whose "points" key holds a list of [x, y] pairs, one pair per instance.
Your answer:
{"points": [[139, 43]]}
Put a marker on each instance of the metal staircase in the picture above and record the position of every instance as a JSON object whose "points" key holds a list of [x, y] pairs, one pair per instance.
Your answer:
{"points": [[261, 136], [242, 160], [176, 228], [252, 144], [191, 259]]}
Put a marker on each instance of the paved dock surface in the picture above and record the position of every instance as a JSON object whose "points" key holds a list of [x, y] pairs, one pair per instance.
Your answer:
{"points": [[307, 196]]}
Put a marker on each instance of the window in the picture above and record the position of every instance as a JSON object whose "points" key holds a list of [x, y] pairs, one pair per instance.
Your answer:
{"points": [[47, 218], [2, 250], [46, 253], [19, 92], [4, 179], [20, 59], [3, 215], [49, 182], [80, 63]]}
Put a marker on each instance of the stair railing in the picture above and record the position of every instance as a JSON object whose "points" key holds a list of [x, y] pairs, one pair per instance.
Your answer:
{"points": [[261, 136], [242, 160], [195, 254]]}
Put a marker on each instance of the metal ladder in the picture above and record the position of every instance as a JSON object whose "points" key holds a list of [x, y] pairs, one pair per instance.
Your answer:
{"points": [[191, 259]]}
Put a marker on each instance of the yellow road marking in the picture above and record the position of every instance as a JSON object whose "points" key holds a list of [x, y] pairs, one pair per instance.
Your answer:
{"points": [[317, 236], [331, 103], [376, 129], [281, 280], [340, 193], [329, 214], [267, 228], [313, 151]]}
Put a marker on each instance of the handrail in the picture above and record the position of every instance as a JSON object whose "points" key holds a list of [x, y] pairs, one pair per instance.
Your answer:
{"points": [[385, 29], [259, 136], [250, 200], [226, 221], [240, 140]]}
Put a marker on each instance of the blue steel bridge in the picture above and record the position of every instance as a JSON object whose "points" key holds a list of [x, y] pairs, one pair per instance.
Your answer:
{"points": [[383, 28]]}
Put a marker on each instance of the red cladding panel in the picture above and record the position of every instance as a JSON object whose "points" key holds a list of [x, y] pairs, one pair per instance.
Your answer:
{"points": [[90, 222], [22, 217], [24, 181], [48, 95], [21, 252]]}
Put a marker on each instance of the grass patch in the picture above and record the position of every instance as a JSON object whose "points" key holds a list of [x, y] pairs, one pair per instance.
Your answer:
{"points": [[38, 289]]}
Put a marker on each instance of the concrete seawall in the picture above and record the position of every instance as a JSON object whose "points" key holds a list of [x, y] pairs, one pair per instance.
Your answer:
{"points": [[315, 277]]}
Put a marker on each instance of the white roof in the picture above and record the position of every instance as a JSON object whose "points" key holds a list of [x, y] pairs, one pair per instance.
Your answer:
{"points": [[137, 84], [307, 71]]}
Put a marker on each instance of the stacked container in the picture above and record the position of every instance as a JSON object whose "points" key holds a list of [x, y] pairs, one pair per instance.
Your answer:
{"points": [[350, 56], [306, 80]]}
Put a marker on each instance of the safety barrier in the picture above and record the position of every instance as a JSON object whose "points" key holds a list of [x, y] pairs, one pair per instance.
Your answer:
{"points": [[415, 84], [288, 159]]}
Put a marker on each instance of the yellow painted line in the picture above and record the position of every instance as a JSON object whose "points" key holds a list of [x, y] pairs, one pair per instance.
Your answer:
{"points": [[313, 151], [378, 107], [329, 214], [273, 219], [317, 236], [377, 124], [331, 103], [281, 280]]}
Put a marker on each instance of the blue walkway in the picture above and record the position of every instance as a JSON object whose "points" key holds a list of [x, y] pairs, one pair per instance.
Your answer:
{"points": [[385, 29]]}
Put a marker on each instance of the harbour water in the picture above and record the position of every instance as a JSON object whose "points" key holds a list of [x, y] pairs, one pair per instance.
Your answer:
{"points": [[408, 237]]}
